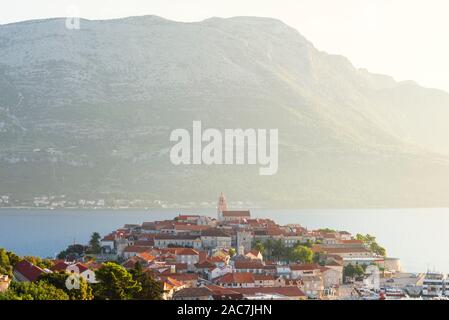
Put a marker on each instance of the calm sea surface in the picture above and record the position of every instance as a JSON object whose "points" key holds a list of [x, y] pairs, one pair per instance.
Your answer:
{"points": [[420, 237]]}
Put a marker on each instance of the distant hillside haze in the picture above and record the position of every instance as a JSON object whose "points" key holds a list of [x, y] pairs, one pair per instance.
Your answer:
{"points": [[89, 113]]}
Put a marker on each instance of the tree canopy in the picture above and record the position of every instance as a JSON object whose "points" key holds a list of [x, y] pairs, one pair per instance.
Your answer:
{"points": [[39, 290], [370, 242], [115, 283], [151, 289], [58, 280]]}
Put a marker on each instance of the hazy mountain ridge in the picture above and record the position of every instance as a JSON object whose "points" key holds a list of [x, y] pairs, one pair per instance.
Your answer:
{"points": [[90, 111]]}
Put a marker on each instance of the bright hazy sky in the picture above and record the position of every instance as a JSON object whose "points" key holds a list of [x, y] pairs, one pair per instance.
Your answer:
{"points": [[407, 39]]}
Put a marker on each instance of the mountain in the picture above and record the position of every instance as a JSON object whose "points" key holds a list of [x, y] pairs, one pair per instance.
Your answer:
{"points": [[88, 113]]}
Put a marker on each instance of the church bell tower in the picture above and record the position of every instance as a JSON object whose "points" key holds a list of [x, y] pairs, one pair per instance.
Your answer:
{"points": [[222, 206]]}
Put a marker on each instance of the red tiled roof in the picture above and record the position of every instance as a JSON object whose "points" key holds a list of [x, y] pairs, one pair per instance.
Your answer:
{"points": [[28, 270], [60, 266], [171, 282], [244, 264], [109, 237], [183, 277], [193, 293], [217, 259], [246, 214], [264, 277], [223, 292], [187, 252], [285, 291], [214, 233], [304, 267], [146, 256], [144, 243], [130, 263], [238, 277], [81, 267], [135, 249], [190, 227]]}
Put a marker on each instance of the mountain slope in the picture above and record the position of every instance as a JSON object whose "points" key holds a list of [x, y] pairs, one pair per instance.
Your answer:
{"points": [[89, 112]]}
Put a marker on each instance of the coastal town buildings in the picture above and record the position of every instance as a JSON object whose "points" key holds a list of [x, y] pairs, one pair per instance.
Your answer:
{"points": [[197, 257]]}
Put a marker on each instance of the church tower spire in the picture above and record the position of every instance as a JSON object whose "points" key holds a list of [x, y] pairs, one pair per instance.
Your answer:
{"points": [[222, 206]]}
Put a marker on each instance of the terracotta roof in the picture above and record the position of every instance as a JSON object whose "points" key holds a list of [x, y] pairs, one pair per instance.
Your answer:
{"points": [[216, 259], [238, 277], [109, 237], [220, 292], [187, 252], [184, 276], [192, 293], [174, 237], [190, 227], [93, 265], [253, 264], [81, 267], [130, 263], [264, 277], [304, 267], [214, 233], [245, 214], [285, 291], [135, 249], [146, 256], [169, 283], [60, 266], [144, 243], [28, 270]]}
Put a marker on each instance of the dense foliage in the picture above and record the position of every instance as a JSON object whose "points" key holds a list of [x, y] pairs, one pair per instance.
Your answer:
{"points": [[277, 250], [39, 290], [371, 243], [114, 283]]}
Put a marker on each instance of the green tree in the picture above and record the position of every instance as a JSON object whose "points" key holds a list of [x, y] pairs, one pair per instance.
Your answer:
{"points": [[370, 242], [74, 249], [41, 263], [258, 245], [302, 254], [317, 258], [58, 280], [115, 283], [353, 271], [94, 243], [151, 289], [33, 291], [279, 250], [5, 264]]}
